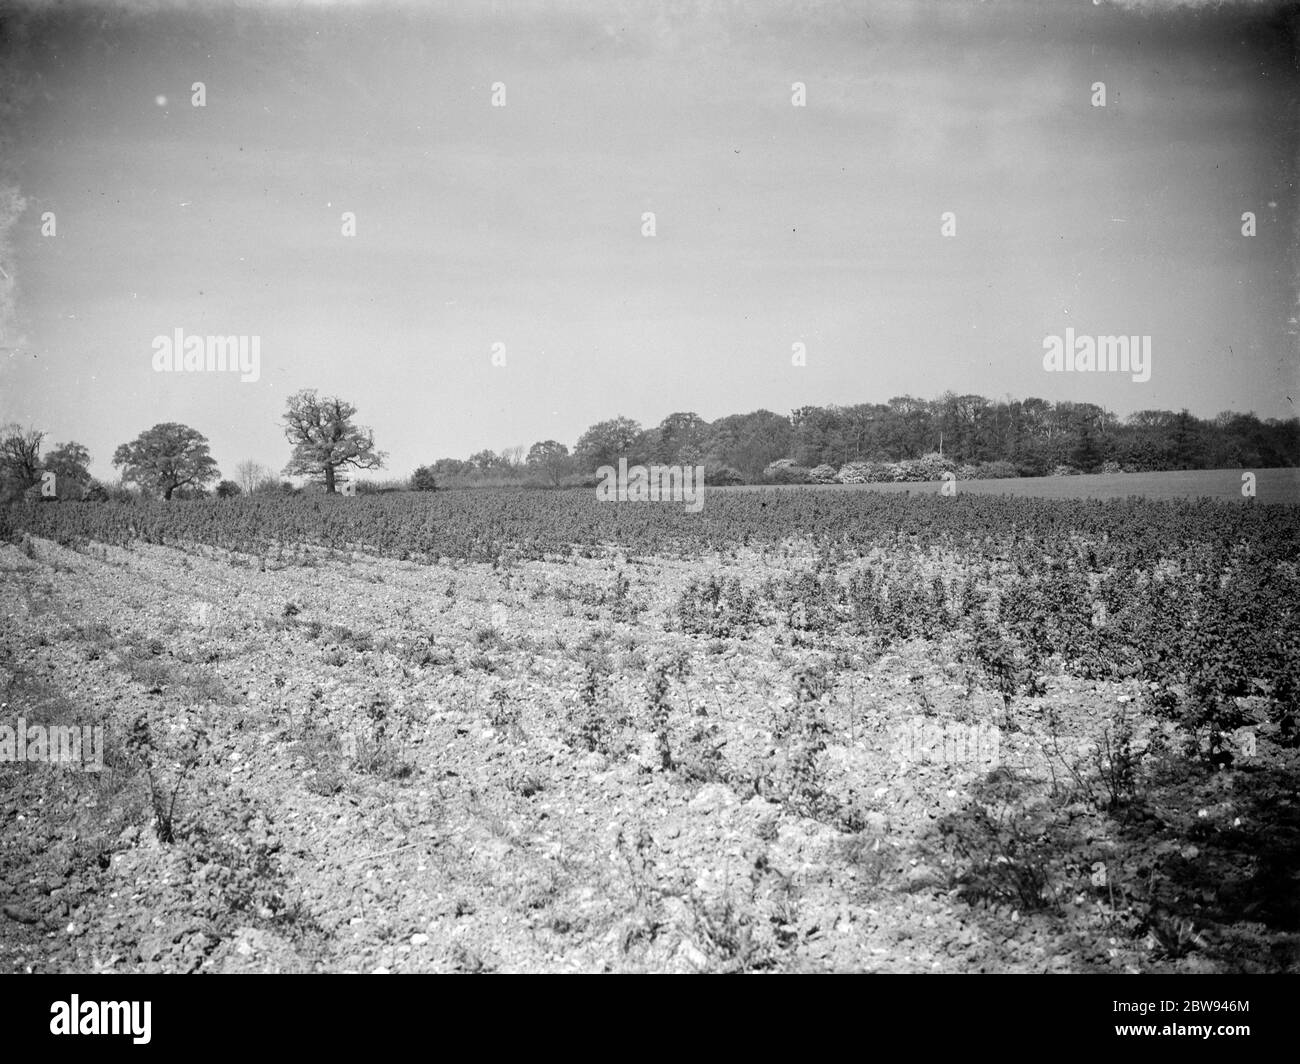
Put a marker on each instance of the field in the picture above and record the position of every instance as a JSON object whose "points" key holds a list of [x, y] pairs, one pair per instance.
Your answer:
{"points": [[802, 730], [1271, 485]]}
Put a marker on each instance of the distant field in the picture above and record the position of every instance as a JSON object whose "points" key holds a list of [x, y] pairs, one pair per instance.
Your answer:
{"points": [[1271, 485]]}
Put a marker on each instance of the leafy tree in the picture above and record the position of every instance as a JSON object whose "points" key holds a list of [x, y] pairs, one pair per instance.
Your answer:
{"points": [[423, 479], [910, 428], [608, 441], [228, 489], [1186, 443], [70, 464], [165, 458], [324, 438], [1086, 454], [550, 459], [679, 440], [748, 442], [452, 467], [819, 436], [486, 461], [69, 461]]}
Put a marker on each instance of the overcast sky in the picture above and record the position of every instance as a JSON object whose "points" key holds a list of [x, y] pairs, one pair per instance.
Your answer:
{"points": [[522, 224]]}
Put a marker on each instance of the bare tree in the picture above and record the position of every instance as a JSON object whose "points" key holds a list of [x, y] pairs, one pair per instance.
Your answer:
{"points": [[20, 456], [251, 475]]}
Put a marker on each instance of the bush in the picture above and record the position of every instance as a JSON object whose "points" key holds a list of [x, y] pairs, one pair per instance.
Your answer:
{"points": [[822, 474], [423, 479], [784, 471], [873, 472], [1064, 470], [930, 466], [228, 489], [999, 470], [722, 476], [381, 487], [35, 494]]}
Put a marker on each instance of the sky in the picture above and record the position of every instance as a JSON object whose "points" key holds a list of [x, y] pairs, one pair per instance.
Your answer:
{"points": [[522, 225]]}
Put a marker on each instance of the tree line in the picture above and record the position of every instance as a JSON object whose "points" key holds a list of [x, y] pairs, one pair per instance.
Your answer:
{"points": [[906, 435], [1025, 438]]}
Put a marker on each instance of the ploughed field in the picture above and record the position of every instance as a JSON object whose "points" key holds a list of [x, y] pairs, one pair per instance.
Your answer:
{"points": [[799, 730]]}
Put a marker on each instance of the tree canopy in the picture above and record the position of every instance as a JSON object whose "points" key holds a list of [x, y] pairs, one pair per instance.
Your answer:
{"points": [[166, 458], [325, 439]]}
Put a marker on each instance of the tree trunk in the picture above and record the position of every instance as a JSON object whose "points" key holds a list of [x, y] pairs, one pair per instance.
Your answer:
{"points": [[329, 480]]}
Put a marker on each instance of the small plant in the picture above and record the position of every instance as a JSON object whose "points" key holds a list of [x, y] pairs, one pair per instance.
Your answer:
{"points": [[140, 743], [505, 714], [377, 754], [1005, 845], [730, 934], [922, 695], [659, 712], [592, 726]]}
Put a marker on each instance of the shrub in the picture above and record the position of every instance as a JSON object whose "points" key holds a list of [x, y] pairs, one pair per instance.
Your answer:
{"points": [[930, 466], [380, 487], [784, 471], [857, 473], [999, 470], [228, 489], [269, 486], [722, 476], [822, 474], [423, 479]]}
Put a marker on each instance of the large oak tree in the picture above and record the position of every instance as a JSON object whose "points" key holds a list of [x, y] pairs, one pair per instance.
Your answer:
{"points": [[166, 457], [324, 438]]}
